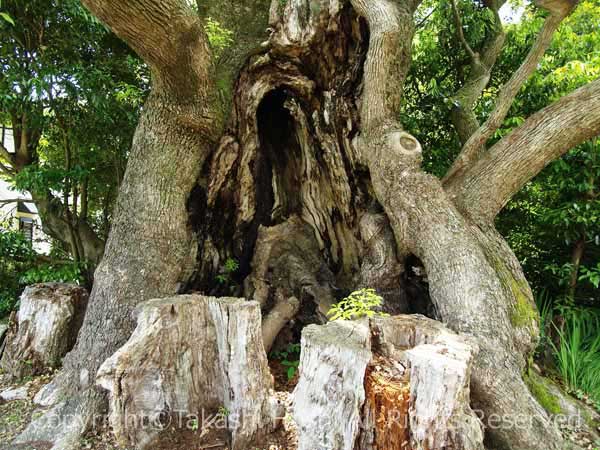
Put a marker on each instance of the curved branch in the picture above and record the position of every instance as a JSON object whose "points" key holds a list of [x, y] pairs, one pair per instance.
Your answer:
{"points": [[391, 28], [485, 187], [476, 143], [460, 33], [7, 170], [4, 153], [463, 117], [55, 224], [167, 34]]}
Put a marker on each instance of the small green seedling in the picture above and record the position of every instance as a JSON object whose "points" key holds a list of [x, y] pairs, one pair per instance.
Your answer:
{"points": [[361, 303]]}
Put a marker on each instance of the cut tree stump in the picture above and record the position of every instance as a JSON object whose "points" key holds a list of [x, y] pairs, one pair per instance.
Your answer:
{"points": [[189, 358], [393, 383], [328, 399], [44, 329], [3, 330]]}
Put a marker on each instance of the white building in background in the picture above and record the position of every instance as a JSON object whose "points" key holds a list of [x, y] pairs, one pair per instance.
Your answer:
{"points": [[19, 213]]}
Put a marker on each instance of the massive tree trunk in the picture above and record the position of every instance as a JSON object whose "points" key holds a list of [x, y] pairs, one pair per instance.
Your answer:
{"points": [[151, 248], [316, 190]]}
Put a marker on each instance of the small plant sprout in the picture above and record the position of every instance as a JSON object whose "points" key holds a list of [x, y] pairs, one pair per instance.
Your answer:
{"points": [[225, 276], [361, 303], [219, 37], [289, 358]]}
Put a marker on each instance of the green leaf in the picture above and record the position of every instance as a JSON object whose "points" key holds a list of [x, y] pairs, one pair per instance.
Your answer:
{"points": [[7, 18], [291, 372]]}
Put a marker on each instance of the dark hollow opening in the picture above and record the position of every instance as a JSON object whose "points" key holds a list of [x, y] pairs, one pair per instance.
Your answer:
{"points": [[282, 155]]}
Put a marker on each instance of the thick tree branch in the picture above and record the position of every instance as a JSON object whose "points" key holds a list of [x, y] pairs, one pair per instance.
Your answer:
{"points": [[391, 29], [476, 143], [5, 154], [484, 188], [167, 34], [6, 170], [56, 224]]}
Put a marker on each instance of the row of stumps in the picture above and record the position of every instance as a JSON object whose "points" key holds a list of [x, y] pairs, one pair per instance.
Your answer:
{"points": [[385, 383], [388, 383]]}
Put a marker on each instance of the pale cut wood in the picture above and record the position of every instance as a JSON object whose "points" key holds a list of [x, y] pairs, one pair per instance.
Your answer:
{"points": [[329, 401], [329, 396], [191, 355], [45, 328]]}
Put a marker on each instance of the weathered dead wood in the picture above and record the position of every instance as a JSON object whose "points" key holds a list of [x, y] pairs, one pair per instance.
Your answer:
{"points": [[188, 356], [406, 354], [288, 263], [439, 362], [329, 396], [45, 328], [3, 332]]}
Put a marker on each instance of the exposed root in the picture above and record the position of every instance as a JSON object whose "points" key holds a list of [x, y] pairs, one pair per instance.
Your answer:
{"points": [[284, 310]]}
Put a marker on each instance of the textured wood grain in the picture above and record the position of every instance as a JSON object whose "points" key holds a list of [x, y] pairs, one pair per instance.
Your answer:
{"points": [[191, 356], [45, 328], [384, 384]]}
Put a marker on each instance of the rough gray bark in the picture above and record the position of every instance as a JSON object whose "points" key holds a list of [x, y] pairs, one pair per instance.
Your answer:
{"points": [[150, 250], [339, 405], [191, 356], [475, 143], [487, 185], [45, 328]]}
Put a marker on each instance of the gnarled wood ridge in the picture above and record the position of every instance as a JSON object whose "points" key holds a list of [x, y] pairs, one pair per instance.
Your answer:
{"points": [[316, 189]]}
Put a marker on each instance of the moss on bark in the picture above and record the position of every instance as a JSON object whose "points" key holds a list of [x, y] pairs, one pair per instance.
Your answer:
{"points": [[540, 391]]}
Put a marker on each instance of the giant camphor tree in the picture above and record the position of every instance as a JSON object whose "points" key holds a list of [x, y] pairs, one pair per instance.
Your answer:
{"points": [[312, 184]]}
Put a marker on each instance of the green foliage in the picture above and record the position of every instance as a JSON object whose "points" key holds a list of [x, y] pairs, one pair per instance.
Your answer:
{"points": [[16, 256], [289, 358], [545, 307], [67, 272], [361, 303], [230, 267], [560, 207], [6, 18], [591, 274], [36, 178], [219, 37], [21, 266], [578, 351], [77, 91]]}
